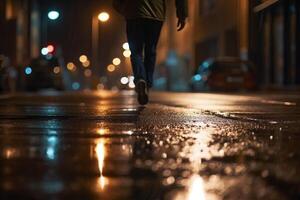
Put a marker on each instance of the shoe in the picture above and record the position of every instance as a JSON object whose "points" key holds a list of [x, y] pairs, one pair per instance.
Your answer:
{"points": [[142, 92]]}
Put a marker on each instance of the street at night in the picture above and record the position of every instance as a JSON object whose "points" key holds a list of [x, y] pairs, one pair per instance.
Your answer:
{"points": [[102, 145], [150, 99]]}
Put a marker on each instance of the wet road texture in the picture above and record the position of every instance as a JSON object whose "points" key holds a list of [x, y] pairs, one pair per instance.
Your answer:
{"points": [[102, 145]]}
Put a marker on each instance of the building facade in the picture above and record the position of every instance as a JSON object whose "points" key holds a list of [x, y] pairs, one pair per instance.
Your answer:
{"points": [[220, 29], [274, 41], [263, 31], [215, 28]]}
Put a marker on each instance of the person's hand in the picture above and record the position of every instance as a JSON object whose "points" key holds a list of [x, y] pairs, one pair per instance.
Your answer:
{"points": [[180, 24]]}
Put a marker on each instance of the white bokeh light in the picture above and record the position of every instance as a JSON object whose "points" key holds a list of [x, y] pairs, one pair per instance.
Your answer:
{"points": [[53, 15]]}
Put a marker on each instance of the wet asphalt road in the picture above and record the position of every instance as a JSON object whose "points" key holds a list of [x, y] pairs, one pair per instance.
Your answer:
{"points": [[181, 146]]}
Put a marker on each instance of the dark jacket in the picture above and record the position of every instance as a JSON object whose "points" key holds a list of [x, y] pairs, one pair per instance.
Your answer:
{"points": [[150, 9]]}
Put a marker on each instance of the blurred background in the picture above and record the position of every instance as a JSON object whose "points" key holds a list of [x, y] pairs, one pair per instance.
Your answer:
{"points": [[240, 45]]}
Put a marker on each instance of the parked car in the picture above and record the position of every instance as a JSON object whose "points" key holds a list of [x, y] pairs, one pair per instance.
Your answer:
{"points": [[224, 74], [42, 74]]}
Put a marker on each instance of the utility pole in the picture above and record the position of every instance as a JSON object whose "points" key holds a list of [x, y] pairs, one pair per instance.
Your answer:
{"points": [[297, 6], [286, 42]]}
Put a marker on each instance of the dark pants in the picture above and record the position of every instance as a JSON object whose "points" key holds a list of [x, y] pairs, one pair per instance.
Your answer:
{"points": [[143, 36]]}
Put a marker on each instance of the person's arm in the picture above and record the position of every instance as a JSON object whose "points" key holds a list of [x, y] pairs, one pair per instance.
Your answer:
{"points": [[182, 13]]}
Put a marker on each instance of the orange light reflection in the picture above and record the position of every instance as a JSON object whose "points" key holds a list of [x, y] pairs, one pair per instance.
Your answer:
{"points": [[100, 152], [102, 131], [9, 153], [196, 189]]}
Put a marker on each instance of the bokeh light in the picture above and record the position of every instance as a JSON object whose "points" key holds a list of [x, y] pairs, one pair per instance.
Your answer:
{"points": [[131, 85], [116, 61], [126, 46], [111, 68], [71, 66], [28, 70], [44, 51], [56, 70], [53, 15], [131, 78], [86, 63], [124, 80], [83, 58], [76, 86], [50, 48], [127, 53], [103, 16]]}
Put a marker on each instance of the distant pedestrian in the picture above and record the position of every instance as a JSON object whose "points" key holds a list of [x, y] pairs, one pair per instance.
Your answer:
{"points": [[144, 20]]}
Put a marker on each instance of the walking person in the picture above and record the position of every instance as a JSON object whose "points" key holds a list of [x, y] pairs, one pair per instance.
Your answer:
{"points": [[144, 20]]}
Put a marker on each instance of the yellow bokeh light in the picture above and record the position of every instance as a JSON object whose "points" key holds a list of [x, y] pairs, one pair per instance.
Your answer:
{"points": [[127, 53], [56, 70], [86, 63], [111, 68], [71, 66], [103, 16], [126, 46], [116, 61], [83, 58]]}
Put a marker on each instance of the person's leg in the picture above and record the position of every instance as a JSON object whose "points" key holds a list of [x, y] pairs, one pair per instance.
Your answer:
{"points": [[136, 40], [151, 40], [135, 36]]}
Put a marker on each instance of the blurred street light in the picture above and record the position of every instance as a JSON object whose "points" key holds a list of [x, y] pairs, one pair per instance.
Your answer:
{"points": [[116, 61], [28, 70], [111, 68], [86, 63], [126, 46], [127, 53], [56, 70], [124, 80], [83, 58], [76, 86], [103, 16], [44, 51], [50, 48], [53, 15], [131, 84], [47, 50], [131, 78], [71, 66]]}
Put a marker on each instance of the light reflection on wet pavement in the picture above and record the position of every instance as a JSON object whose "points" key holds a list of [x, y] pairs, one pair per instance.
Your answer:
{"points": [[103, 146]]}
